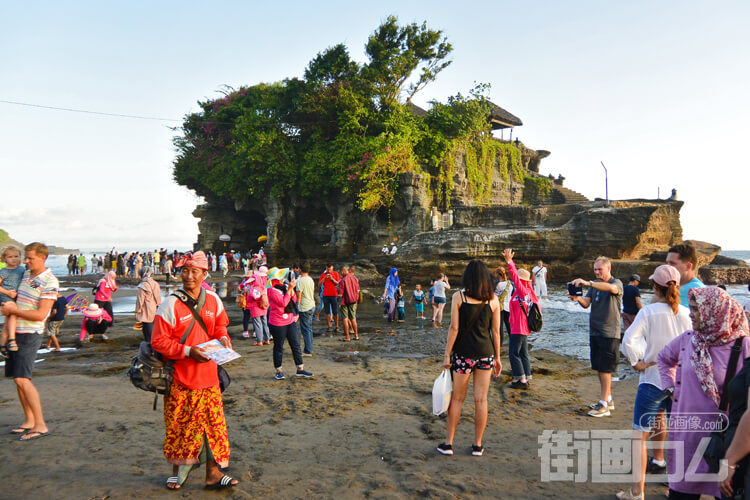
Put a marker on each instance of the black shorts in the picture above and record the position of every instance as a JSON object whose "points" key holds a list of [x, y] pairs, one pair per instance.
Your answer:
{"points": [[605, 353], [21, 362], [330, 305]]}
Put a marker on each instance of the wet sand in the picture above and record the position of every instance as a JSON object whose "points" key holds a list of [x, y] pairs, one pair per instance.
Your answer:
{"points": [[362, 428]]}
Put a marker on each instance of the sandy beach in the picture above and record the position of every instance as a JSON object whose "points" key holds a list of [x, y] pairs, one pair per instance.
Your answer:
{"points": [[362, 428]]}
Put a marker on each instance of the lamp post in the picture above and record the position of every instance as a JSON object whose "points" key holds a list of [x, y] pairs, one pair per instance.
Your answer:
{"points": [[606, 186]]}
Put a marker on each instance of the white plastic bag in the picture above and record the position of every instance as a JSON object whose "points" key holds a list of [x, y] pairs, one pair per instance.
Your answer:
{"points": [[441, 393]]}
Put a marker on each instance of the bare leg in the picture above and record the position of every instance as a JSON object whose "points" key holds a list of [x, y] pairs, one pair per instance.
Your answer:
{"points": [[53, 340], [9, 329], [28, 415], [213, 474], [460, 385], [659, 435], [346, 328], [639, 464], [32, 404], [481, 387], [355, 328], [605, 381]]}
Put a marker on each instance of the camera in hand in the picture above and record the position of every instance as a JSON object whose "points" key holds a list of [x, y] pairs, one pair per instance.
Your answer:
{"points": [[575, 291]]}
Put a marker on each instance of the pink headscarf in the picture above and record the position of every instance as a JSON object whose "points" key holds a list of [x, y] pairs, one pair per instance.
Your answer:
{"points": [[110, 280], [197, 260], [723, 321]]}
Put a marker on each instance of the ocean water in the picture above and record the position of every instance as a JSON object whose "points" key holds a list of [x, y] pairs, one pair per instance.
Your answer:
{"points": [[565, 328]]}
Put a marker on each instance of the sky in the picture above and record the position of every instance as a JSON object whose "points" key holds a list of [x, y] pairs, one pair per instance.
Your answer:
{"points": [[655, 90]]}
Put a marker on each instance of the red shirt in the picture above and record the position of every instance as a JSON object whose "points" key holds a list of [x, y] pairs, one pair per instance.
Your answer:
{"points": [[329, 287], [171, 322]]}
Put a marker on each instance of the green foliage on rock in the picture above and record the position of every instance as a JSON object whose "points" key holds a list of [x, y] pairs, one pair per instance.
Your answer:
{"points": [[343, 130], [536, 189]]}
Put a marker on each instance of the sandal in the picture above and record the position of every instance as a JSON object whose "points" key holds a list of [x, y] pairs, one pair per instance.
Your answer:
{"points": [[224, 482], [11, 345], [174, 480]]}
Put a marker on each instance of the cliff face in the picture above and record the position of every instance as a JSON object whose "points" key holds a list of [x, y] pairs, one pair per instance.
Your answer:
{"points": [[560, 227]]}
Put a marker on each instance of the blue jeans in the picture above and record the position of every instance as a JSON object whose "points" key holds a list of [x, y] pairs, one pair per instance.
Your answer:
{"points": [[260, 325], [648, 402], [305, 326], [518, 352]]}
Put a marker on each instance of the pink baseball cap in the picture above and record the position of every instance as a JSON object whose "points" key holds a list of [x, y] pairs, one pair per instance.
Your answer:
{"points": [[664, 274]]}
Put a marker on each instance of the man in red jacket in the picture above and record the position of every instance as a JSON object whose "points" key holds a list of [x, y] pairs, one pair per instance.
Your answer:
{"points": [[193, 410]]}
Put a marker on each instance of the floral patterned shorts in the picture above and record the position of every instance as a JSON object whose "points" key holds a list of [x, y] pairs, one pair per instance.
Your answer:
{"points": [[460, 364]]}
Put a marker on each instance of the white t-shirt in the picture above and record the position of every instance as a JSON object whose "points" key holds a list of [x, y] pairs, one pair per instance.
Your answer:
{"points": [[500, 288], [394, 249], [654, 327], [439, 288], [540, 274]]}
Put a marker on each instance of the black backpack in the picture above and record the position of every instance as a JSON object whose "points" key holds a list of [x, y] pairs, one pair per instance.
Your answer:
{"points": [[148, 371], [533, 316]]}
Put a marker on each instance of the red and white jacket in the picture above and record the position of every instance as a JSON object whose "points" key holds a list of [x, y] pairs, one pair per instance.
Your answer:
{"points": [[172, 320]]}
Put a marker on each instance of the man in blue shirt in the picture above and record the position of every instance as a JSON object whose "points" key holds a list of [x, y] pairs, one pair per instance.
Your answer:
{"points": [[685, 259]]}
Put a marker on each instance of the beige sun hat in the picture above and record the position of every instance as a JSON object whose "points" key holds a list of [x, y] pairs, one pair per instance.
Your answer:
{"points": [[92, 311], [524, 275]]}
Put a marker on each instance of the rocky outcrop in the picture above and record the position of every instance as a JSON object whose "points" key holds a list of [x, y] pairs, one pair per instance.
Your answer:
{"points": [[558, 226]]}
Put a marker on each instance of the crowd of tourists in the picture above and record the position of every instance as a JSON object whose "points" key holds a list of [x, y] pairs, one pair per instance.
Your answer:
{"points": [[689, 344]]}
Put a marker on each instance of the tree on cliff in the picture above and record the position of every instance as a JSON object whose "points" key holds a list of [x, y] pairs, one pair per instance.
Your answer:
{"points": [[342, 128]]}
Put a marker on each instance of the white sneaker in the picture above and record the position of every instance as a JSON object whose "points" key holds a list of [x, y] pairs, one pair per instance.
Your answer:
{"points": [[599, 411], [628, 495], [245, 335]]}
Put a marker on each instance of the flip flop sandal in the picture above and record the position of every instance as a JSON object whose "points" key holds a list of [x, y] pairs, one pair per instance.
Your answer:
{"points": [[12, 346], [20, 430], [224, 482], [38, 435], [4, 351]]}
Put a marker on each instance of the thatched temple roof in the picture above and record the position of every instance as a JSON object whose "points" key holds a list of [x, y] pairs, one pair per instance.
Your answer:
{"points": [[501, 118]]}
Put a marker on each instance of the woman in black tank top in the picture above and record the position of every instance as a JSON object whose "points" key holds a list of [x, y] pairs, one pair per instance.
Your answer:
{"points": [[473, 347]]}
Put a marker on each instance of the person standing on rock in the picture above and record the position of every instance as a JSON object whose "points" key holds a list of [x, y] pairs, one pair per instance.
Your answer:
{"points": [[472, 351], [518, 340], [539, 277], [147, 302], [306, 300], [441, 285], [685, 259], [631, 301], [328, 281], [349, 297], [605, 299]]}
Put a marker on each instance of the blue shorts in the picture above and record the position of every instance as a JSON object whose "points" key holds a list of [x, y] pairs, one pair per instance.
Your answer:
{"points": [[419, 307], [439, 300], [648, 402], [331, 305]]}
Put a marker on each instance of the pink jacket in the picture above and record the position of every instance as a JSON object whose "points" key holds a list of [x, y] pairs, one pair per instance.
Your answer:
{"points": [[104, 293], [524, 291], [105, 317], [254, 288], [278, 301]]}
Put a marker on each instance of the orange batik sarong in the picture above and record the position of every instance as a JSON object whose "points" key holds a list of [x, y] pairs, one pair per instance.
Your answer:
{"points": [[189, 415]]}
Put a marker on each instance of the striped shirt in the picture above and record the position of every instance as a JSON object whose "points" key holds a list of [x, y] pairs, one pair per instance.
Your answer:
{"points": [[30, 293]]}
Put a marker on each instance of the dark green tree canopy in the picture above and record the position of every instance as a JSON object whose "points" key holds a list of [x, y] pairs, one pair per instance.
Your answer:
{"points": [[343, 128]]}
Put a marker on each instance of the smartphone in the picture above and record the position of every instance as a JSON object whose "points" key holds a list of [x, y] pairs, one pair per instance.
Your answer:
{"points": [[575, 291]]}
